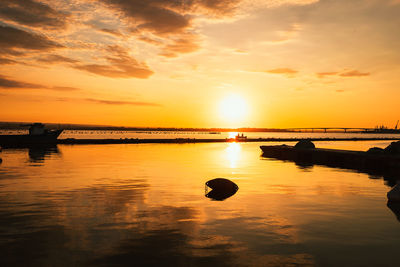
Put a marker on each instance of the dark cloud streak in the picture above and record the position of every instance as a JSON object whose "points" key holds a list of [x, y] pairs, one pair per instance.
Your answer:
{"points": [[7, 61], [116, 102], [12, 40], [32, 13], [6, 83], [53, 59]]}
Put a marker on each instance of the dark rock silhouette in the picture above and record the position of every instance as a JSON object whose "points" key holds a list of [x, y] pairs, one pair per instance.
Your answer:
{"points": [[221, 189], [375, 150], [393, 148], [305, 144]]}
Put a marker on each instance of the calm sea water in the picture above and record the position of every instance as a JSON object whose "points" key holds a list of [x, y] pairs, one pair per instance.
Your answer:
{"points": [[145, 204]]}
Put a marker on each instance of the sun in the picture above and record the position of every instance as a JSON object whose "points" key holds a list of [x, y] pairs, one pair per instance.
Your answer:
{"points": [[233, 109]]}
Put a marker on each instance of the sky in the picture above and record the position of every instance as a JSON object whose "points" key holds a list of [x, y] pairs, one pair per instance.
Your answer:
{"points": [[201, 63]]}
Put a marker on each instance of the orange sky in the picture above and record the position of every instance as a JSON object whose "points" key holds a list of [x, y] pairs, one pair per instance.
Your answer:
{"points": [[291, 63]]}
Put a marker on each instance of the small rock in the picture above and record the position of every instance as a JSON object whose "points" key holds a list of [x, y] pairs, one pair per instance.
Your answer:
{"points": [[305, 144]]}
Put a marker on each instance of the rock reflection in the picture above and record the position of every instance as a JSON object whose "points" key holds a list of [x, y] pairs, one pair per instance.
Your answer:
{"points": [[304, 166]]}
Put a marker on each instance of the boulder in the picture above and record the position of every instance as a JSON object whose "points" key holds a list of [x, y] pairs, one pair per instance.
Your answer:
{"points": [[375, 150], [393, 148], [305, 144]]}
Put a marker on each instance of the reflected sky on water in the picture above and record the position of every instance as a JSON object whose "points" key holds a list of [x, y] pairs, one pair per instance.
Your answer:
{"points": [[110, 205]]}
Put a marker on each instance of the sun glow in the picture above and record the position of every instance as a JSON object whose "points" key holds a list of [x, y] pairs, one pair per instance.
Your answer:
{"points": [[233, 109]]}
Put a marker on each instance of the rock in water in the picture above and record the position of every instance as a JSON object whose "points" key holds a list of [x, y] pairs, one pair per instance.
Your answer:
{"points": [[221, 188], [305, 144], [375, 150], [394, 194], [393, 148]]}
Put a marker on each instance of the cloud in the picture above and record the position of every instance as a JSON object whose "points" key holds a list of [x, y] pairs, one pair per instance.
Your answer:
{"points": [[6, 83], [62, 88], [282, 71], [53, 59], [7, 61], [32, 13], [347, 73], [156, 16], [185, 44], [170, 20], [116, 102], [354, 73], [324, 74], [14, 41], [122, 65], [111, 31]]}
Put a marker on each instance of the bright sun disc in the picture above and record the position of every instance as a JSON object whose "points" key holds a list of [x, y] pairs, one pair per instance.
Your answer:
{"points": [[233, 108]]}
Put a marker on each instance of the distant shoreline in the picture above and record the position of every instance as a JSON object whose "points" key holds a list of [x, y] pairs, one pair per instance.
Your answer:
{"points": [[73, 141]]}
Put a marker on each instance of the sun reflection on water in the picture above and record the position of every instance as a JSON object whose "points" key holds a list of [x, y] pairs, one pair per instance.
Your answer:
{"points": [[233, 154]]}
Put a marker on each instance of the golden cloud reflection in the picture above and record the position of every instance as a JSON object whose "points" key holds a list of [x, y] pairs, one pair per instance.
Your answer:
{"points": [[233, 154]]}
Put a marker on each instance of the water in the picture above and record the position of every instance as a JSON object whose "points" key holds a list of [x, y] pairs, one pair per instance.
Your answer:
{"points": [[144, 204]]}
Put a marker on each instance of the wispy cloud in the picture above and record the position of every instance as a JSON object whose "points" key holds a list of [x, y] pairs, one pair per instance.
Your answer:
{"points": [[7, 61], [346, 73], [324, 74], [122, 65], [282, 71], [53, 59], [6, 83], [108, 101], [119, 102], [354, 73], [62, 88], [185, 44]]}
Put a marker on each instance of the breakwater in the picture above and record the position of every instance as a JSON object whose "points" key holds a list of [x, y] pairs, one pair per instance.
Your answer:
{"points": [[199, 140], [374, 163]]}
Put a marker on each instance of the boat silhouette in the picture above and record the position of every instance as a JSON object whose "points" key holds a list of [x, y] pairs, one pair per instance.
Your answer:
{"points": [[38, 135]]}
